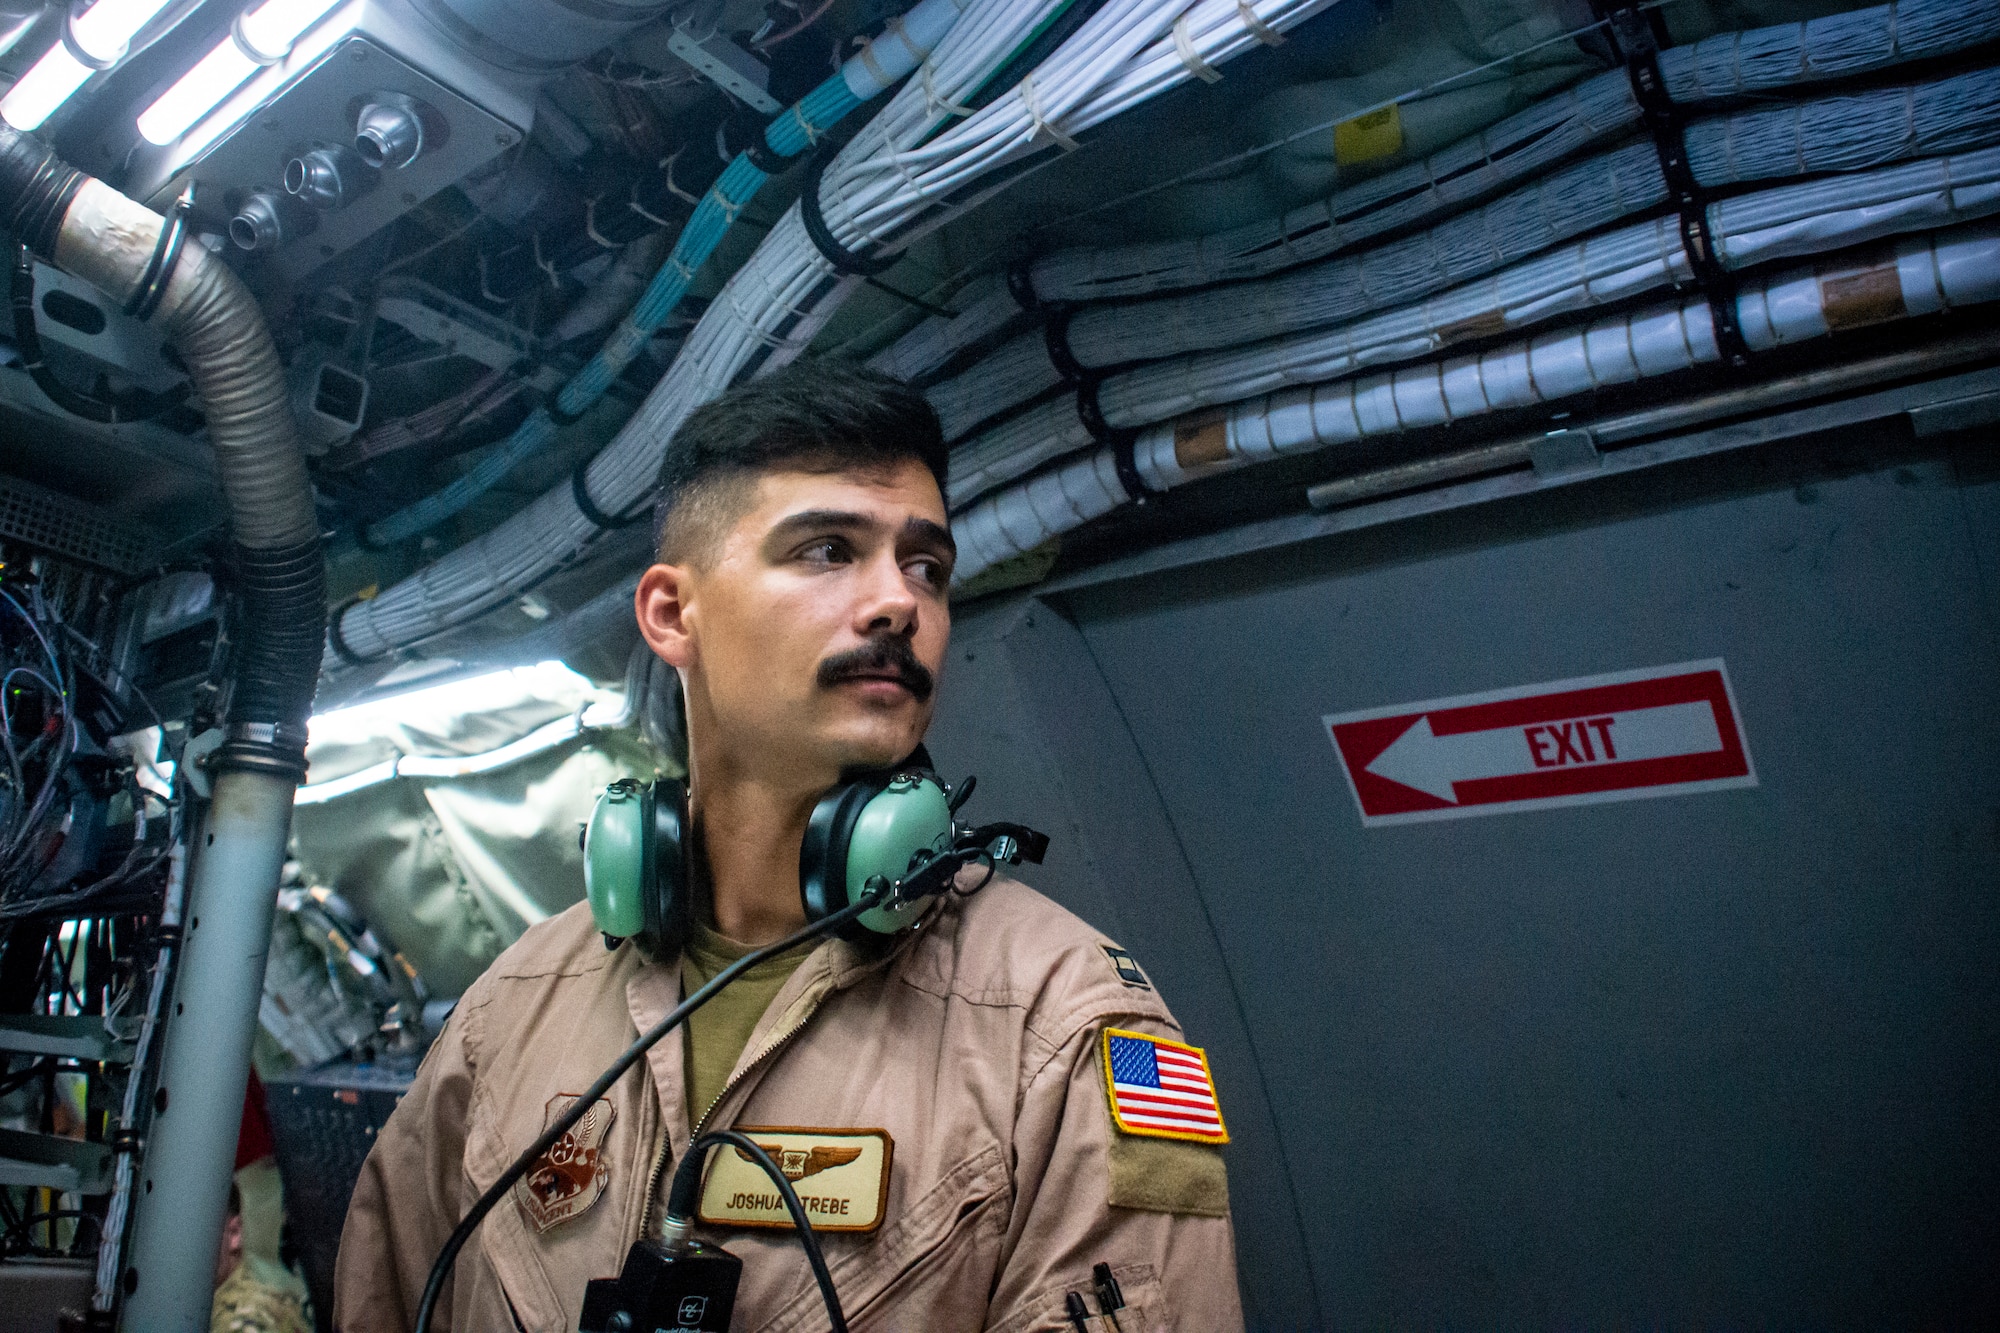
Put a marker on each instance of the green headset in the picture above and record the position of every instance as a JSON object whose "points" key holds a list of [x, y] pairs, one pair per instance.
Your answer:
{"points": [[891, 827]]}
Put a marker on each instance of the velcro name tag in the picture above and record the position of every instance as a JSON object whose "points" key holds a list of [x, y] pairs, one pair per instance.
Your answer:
{"points": [[841, 1177]]}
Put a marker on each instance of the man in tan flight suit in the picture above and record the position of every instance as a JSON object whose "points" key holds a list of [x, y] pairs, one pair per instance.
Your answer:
{"points": [[985, 1116]]}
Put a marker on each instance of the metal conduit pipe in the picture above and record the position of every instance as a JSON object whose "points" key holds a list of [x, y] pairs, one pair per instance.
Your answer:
{"points": [[1627, 427], [86, 228]]}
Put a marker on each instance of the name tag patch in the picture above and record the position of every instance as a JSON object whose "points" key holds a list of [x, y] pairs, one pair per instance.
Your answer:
{"points": [[1160, 1089], [841, 1176], [570, 1177]]}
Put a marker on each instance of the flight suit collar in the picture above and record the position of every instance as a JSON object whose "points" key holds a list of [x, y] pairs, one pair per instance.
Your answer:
{"points": [[655, 989]]}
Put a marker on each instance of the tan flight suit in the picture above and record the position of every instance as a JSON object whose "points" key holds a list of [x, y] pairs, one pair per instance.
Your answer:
{"points": [[975, 1044]]}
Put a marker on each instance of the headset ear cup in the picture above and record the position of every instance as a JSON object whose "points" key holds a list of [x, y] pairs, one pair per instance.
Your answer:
{"points": [[667, 893], [879, 827], [823, 852], [616, 860]]}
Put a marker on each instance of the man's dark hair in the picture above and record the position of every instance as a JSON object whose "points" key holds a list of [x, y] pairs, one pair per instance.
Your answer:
{"points": [[811, 416]]}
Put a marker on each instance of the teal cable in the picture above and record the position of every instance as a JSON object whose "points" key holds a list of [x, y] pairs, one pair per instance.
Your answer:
{"points": [[793, 132]]}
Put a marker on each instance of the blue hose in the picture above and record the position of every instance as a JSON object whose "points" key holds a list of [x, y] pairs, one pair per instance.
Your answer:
{"points": [[793, 132]]}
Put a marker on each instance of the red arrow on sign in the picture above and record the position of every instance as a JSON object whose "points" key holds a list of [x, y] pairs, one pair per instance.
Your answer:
{"points": [[1597, 738]]}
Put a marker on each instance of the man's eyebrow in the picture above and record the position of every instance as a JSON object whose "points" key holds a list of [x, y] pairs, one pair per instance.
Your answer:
{"points": [[919, 530], [924, 531], [808, 520]]}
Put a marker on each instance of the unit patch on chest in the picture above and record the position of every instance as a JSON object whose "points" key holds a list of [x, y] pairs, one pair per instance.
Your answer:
{"points": [[841, 1177], [567, 1179]]}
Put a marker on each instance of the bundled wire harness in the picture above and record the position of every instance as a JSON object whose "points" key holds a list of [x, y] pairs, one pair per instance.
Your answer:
{"points": [[1509, 151], [1749, 229], [1847, 133], [908, 170], [1920, 275], [881, 63]]}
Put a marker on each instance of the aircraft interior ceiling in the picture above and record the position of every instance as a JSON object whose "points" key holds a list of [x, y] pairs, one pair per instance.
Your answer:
{"points": [[1475, 536]]}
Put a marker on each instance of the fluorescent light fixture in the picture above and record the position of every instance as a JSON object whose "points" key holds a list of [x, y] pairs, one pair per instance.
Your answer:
{"points": [[91, 41], [46, 86], [259, 37], [491, 691]]}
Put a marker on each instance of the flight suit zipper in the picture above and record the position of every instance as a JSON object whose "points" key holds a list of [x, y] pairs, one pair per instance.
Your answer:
{"points": [[665, 1156]]}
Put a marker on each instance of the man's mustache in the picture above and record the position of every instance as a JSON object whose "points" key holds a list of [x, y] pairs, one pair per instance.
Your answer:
{"points": [[888, 655]]}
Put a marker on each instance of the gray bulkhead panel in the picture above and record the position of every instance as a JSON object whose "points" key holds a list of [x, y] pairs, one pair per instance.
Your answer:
{"points": [[1721, 1058]]}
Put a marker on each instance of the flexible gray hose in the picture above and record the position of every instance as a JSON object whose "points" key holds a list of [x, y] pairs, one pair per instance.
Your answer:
{"points": [[87, 228], [213, 321]]}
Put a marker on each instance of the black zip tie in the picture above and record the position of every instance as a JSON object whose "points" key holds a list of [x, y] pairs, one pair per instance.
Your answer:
{"points": [[842, 259], [1091, 412], [1055, 337], [1122, 458], [579, 491], [166, 253], [767, 159], [1634, 39], [339, 643], [1021, 285]]}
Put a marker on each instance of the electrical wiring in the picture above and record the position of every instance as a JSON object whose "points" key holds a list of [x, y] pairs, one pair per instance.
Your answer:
{"points": [[1759, 60], [35, 829], [1843, 133], [873, 193], [1916, 276], [1511, 150], [1749, 229], [887, 58]]}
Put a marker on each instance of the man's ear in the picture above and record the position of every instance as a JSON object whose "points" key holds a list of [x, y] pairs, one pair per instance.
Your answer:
{"points": [[661, 604]]}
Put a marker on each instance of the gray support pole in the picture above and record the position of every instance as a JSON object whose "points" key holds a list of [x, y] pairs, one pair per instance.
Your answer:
{"points": [[183, 1194]]}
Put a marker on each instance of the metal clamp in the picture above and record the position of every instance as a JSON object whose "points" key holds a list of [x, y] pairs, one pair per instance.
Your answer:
{"points": [[145, 298]]}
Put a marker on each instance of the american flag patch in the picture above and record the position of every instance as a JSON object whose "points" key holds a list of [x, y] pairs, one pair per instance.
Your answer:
{"points": [[1161, 1088]]}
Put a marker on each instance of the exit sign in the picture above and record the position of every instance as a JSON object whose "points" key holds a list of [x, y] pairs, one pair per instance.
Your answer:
{"points": [[1663, 731]]}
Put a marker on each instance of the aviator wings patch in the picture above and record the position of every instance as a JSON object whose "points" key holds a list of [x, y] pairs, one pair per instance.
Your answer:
{"points": [[801, 1163]]}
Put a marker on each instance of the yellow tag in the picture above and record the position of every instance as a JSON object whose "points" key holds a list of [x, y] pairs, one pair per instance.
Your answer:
{"points": [[841, 1176], [1368, 136]]}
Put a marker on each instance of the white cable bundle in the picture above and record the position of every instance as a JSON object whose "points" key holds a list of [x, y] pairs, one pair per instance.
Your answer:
{"points": [[881, 186], [983, 307], [1828, 134], [1509, 150], [1921, 275], [1727, 65], [1845, 133], [1833, 47], [1014, 448], [1014, 372], [1832, 134], [1560, 205], [1754, 228]]}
